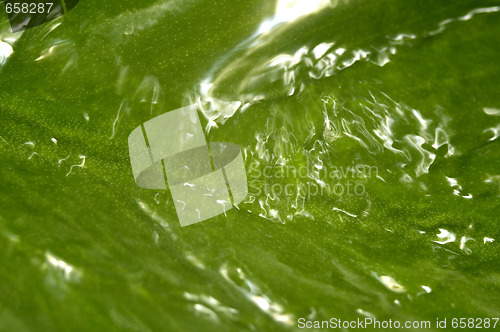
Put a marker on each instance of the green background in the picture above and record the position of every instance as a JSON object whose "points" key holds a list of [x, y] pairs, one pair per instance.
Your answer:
{"points": [[83, 248]]}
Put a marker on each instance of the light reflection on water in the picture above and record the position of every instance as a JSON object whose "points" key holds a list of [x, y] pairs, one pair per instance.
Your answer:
{"points": [[370, 123], [378, 126], [256, 73]]}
